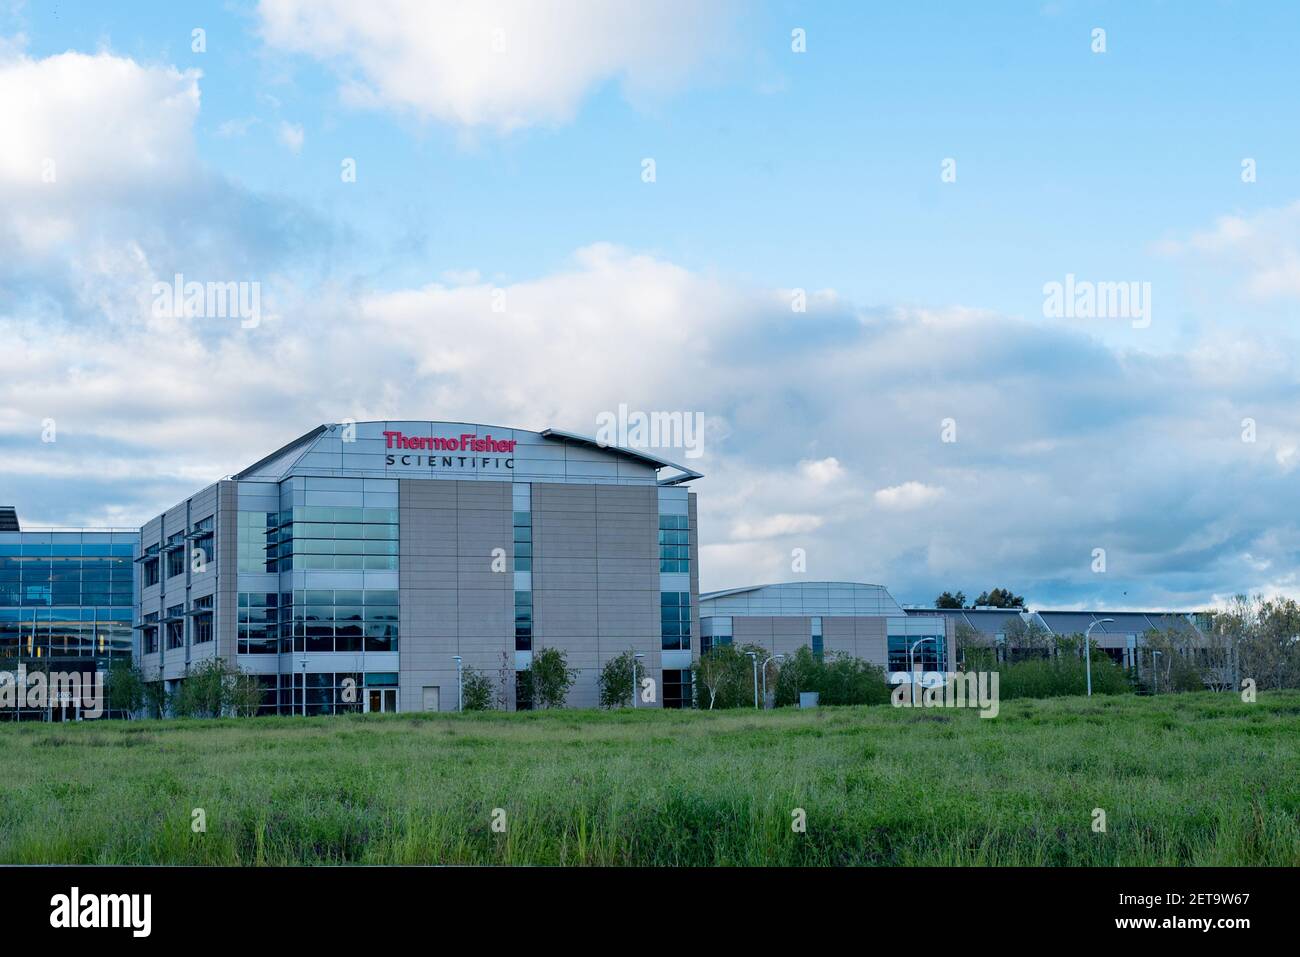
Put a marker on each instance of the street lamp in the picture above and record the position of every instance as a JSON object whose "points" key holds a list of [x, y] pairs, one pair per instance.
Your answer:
{"points": [[636, 656], [765, 664], [753, 656], [1087, 649], [304, 685], [460, 685], [911, 672]]}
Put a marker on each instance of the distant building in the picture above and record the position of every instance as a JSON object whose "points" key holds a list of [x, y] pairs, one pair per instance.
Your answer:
{"points": [[1121, 638], [66, 601], [847, 617]]}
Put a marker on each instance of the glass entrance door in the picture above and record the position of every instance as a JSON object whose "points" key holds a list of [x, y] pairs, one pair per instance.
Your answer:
{"points": [[381, 700]]}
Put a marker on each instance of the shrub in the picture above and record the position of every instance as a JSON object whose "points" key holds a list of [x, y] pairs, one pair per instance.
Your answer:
{"points": [[551, 678], [616, 684], [476, 691], [124, 687], [1055, 677], [837, 679]]}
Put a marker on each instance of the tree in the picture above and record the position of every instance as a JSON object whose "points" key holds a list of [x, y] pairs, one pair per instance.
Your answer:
{"points": [[1000, 598], [244, 694], [124, 687], [975, 651], [616, 684], [1027, 639], [476, 691], [949, 600], [726, 675], [505, 681], [202, 693], [156, 698], [551, 678]]}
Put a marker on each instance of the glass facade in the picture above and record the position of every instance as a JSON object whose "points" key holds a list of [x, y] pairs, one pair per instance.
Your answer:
{"points": [[675, 620], [674, 543], [523, 539], [65, 599], [318, 538], [930, 655]]}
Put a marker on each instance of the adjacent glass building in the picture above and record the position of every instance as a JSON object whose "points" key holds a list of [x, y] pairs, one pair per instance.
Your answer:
{"points": [[66, 603]]}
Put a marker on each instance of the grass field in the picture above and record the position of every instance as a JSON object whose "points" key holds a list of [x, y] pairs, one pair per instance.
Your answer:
{"points": [[1183, 779]]}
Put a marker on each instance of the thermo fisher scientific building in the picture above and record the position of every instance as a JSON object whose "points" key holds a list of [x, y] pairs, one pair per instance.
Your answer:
{"points": [[380, 551]]}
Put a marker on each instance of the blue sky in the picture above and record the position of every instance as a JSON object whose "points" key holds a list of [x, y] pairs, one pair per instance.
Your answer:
{"points": [[775, 170]]}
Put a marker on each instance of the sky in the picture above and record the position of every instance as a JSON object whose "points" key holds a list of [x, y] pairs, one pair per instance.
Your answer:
{"points": [[829, 230]]}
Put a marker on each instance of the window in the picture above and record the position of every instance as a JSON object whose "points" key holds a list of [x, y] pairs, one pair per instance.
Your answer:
{"points": [[175, 623], [201, 630], [324, 692], [175, 550], [677, 688], [204, 542], [674, 543], [523, 621], [675, 620], [151, 568], [149, 633], [929, 655], [258, 623], [253, 531], [317, 538], [324, 620], [815, 633], [523, 540]]}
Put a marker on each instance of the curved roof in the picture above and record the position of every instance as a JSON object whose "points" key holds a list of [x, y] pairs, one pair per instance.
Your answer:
{"points": [[802, 599]]}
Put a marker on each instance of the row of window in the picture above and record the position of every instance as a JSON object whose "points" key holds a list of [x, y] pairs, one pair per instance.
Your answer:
{"points": [[87, 549], [674, 543], [523, 540], [65, 639], [675, 620]]}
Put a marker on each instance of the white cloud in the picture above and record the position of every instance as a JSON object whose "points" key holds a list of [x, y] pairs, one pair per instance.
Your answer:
{"points": [[291, 135], [822, 471], [775, 526], [503, 64], [907, 496]]}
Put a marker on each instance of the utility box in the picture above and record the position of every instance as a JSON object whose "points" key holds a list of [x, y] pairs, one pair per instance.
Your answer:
{"points": [[808, 699]]}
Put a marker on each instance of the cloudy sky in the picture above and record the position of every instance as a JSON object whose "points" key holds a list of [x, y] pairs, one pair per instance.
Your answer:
{"points": [[450, 215]]}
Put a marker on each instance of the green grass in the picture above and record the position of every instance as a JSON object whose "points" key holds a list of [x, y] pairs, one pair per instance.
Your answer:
{"points": [[1195, 779]]}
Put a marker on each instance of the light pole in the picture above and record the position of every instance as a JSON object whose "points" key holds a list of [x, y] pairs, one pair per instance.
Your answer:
{"points": [[753, 656], [770, 659], [460, 685], [304, 685], [1087, 649], [911, 671], [636, 656]]}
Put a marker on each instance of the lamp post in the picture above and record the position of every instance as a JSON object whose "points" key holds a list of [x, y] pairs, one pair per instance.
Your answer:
{"points": [[304, 685], [460, 684], [636, 656], [753, 656], [911, 671], [1087, 649], [770, 659]]}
